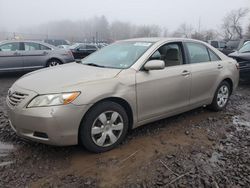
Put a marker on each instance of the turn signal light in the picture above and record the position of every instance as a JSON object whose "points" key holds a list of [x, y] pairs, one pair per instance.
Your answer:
{"points": [[237, 66]]}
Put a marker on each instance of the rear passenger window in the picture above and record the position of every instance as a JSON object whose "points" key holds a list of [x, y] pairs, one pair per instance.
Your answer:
{"points": [[198, 53], [213, 56], [42, 47], [30, 46]]}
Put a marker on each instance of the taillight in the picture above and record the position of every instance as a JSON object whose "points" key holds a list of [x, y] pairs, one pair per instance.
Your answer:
{"points": [[70, 53]]}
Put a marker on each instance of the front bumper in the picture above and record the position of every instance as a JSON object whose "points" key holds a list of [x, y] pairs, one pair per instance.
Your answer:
{"points": [[55, 125]]}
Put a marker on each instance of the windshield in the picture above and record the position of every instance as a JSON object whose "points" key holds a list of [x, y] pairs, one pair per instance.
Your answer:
{"points": [[245, 48], [119, 55]]}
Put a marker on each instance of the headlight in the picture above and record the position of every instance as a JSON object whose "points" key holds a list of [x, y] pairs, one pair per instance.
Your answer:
{"points": [[53, 99]]}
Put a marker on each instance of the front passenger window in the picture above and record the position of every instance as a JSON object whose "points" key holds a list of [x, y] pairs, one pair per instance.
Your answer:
{"points": [[10, 47], [30, 46], [156, 56], [171, 54]]}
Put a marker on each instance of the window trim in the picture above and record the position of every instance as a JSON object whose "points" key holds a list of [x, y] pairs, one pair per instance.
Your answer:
{"points": [[208, 49], [22, 45]]}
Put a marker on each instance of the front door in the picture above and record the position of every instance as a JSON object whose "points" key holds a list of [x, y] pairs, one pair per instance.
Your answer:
{"points": [[161, 92]]}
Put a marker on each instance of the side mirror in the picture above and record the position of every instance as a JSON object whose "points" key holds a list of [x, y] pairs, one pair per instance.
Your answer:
{"points": [[154, 65]]}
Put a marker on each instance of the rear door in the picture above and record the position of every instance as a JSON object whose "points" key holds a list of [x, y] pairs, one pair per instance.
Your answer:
{"points": [[35, 55], [10, 57], [206, 68]]}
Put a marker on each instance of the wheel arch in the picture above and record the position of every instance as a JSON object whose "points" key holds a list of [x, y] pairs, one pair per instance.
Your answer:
{"points": [[117, 100], [230, 82]]}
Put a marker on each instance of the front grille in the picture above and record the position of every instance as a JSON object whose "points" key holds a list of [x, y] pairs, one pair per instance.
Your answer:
{"points": [[15, 98]]}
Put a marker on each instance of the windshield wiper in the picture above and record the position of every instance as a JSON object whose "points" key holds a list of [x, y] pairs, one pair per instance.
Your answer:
{"points": [[94, 65]]}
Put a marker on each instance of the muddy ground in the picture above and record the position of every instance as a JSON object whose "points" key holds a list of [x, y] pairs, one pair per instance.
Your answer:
{"points": [[199, 148]]}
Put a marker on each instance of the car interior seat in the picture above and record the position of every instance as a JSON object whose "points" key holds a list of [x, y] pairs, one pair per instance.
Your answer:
{"points": [[172, 57]]}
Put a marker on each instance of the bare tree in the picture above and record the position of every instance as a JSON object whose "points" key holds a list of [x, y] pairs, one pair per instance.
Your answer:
{"points": [[248, 31], [147, 31], [184, 30], [232, 24], [198, 35], [210, 35], [165, 32], [120, 30]]}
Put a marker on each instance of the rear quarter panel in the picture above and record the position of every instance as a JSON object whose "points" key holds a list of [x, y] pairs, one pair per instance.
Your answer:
{"points": [[62, 55]]}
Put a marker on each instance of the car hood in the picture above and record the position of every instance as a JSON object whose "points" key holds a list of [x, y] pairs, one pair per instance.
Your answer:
{"points": [[62, 78], [240, 56], [234, 54]]}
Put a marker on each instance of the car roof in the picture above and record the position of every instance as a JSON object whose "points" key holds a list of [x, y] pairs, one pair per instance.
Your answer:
{"points": [[35, 41], [161, 39]]}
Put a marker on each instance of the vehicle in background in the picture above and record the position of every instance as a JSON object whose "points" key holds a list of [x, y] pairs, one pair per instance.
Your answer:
{"points": [[218, 44], [64, 46], [234, 45], [56, 42], [101, 45], [82, 50], [31, 55], [120, 87], [242, 56], [231, 46]]}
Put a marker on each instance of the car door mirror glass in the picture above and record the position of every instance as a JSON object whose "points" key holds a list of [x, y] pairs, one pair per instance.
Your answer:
{"points": [[154, 65]]}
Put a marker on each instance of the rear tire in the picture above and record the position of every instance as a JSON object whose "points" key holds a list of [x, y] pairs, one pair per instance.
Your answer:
{"points": [[53, 63], [104, 127], [221, 97]]}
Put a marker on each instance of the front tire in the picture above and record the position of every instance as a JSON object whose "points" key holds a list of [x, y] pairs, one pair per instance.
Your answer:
{"points": [[221, 97], [104, 127]]}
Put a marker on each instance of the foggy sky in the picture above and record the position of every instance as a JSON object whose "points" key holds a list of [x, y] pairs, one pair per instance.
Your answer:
{"points": [[165, 13]]}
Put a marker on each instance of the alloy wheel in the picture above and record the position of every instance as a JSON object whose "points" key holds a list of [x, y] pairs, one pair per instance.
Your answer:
{"points": [[53, 63], [222, 96], [107, 128]]}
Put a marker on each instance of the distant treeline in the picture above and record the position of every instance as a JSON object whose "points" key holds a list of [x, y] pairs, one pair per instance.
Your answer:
{"points": [[100, 29]]}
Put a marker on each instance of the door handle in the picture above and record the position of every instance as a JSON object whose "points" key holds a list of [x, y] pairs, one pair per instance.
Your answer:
{"points": [[185, 73], [45, 53], [220, 66]]}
